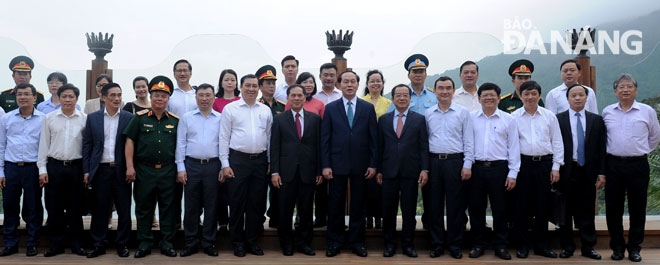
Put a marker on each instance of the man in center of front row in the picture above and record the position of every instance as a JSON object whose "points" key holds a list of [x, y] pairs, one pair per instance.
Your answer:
{"points": [[244, 138], [105, 169], [349, 153], [198, 170], [151, 140]]}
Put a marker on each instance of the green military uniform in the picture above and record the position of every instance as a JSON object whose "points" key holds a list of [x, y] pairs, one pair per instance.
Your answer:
{"points": [[155, 144], [511, 102], [7, 97], [276, 108]]}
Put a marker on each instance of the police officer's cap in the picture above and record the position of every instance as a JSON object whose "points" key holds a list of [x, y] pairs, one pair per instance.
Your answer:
{"points": [[416, 61]]}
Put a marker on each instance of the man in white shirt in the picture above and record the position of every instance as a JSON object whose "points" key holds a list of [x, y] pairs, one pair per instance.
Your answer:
{"points": [[466, 95], [556, 100], [244, 137], [290, 70], [632, 133], [542, 153], [328, 92], [60, 171]]}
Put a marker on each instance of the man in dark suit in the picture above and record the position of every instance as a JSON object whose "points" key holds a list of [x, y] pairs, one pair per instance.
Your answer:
{"points": [[348, 153], [585, 137], [403, 145], [296, 167], [105, 169]]}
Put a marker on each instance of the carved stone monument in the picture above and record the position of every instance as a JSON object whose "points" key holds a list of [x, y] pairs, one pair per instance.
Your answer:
{"points": [[99, 45]]}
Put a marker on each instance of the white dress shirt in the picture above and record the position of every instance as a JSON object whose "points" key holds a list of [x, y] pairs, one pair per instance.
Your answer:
{"points": [[19, 137], [302, 120], [327, 98], [634, 132], [196, 137], [182, 101], [467, 100], [244, 128], [496, 138], [110, 125], [61, 137], [557, 102], [573, 119], [540, 135], [451, 132], [280, 91]]}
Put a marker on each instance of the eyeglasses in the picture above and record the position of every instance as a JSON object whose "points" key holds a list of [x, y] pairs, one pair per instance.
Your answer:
{"points": [[55, 83], [182, 71]]}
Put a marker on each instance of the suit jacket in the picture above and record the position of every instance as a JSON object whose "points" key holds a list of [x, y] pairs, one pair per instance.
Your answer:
{"points": [[349, 150], [595, 141], [93, 138], [406, 155], [287, 152]]}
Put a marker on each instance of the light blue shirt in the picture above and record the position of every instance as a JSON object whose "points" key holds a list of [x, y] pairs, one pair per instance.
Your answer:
{"points": [[451, 132], [396, 118], [197, 137], [48, 106], [19, 137], [419, 102]]}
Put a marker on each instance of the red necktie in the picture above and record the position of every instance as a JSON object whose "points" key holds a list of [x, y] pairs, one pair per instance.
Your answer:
{"points": [[399, 125], [298, 127]]}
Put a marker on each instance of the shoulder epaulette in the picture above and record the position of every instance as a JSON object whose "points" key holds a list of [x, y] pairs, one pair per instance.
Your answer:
{"points": [[40, 92], [503, 97], [281, 102], [173, 115], [142, 112], [8, 90]]}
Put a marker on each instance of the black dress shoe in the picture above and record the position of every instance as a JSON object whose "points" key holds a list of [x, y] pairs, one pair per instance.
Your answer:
{"points": [[307, 250], [188, 251], [332, 251], [287, 251], [211, 251], [592, 254], [457, 254], [123, 252], [634, 256], [141, 253], [31, 251], [410, 252], [79, 251], [565, 253], [617, 255], [436, 252], [170, 252], [9, 251], [522, 253], [53, 252], [476, 252], [97, 251], [389, 252], [239, 251], [320, 223], [502, 254], [360, 251], [545, 253], [255, 250]]}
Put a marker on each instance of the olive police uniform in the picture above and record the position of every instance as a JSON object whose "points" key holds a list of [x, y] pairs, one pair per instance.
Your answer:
{"points": [[155, 143], [511, 102], [7, 97]]}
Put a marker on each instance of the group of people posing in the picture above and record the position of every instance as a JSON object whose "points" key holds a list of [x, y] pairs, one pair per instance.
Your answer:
{"points": [[464, 148]]}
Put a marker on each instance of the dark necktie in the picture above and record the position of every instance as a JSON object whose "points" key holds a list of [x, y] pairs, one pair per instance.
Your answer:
{"points": [[580, 137], [298, 127], [349, 114]]}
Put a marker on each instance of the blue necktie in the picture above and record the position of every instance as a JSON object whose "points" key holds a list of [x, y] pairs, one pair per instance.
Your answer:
{"points": [[580, 143], [349, 114]]}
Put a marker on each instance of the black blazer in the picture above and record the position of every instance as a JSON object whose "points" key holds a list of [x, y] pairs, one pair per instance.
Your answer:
{"points": [[93, 138], [349, 150], [405, 156], [595, 141], [287, 152]]}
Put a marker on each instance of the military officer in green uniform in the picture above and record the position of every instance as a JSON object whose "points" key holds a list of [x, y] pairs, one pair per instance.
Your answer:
{"points": [[150, 148], [520, 72], [21, 67]]}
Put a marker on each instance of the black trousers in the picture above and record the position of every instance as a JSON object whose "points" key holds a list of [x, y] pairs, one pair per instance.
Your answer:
{"points": [[445, 184], [337, 207], [488, 183], [273, 204], [290, 194], [247, 195], [629, 177], [201, 193], [580, 208], [533, 200], [107, 188], [321, 202], [63, 201], [401, 189], [374, 199], [222, 204], [21, 180]]}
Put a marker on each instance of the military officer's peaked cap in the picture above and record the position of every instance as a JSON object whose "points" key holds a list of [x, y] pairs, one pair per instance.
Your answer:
{"points": [[161, 83], [21, 64], [521, 67], [266, 72], [416, 61]]}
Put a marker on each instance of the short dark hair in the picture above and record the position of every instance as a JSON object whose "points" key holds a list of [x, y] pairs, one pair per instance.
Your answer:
{"points": [[140, 78], [468, 63], [372, 72], [489, 86], [348, 71], [71, 87], [204, 86], [108, 86], [248, 76], [101, 77], [304, 76], [579, 67], [290, 57], [530, 85], [328, 66], [586, 91], [182, 61], [221, 90], [444, 78], [288, 89], [24, 86], [57, 75], [400, 85]]}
